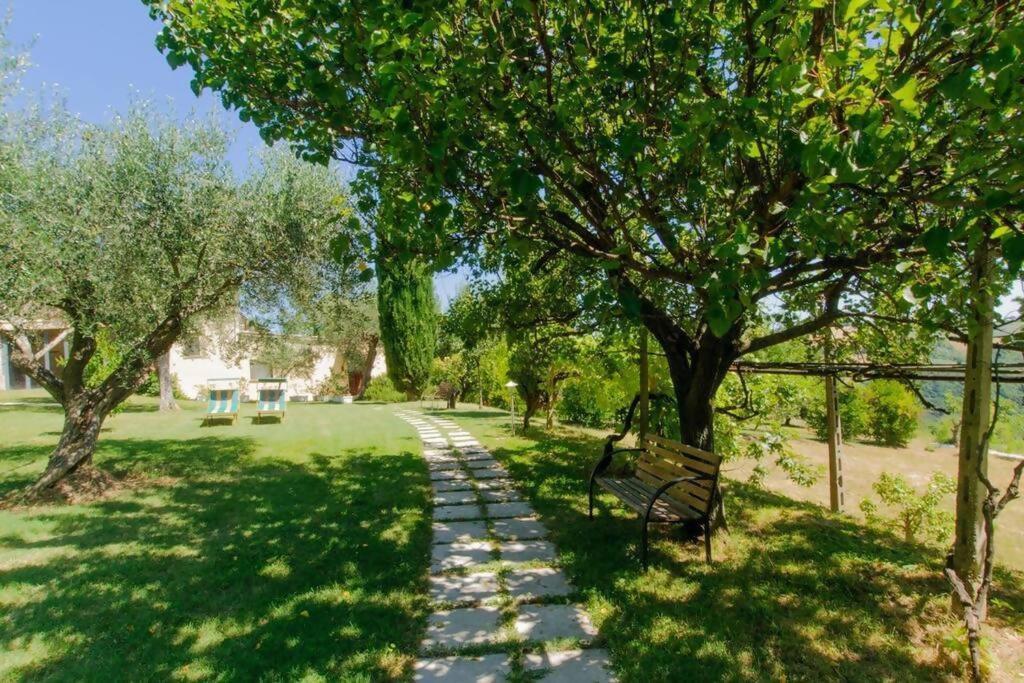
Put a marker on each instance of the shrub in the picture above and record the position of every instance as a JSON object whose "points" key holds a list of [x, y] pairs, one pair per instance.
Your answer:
{"points": [[892, 412], [592, 401], [852, 413], [916, 513], [381, 389]]}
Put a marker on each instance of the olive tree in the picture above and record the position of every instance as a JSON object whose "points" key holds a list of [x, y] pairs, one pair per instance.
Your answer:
{"points": [[129, 232]]}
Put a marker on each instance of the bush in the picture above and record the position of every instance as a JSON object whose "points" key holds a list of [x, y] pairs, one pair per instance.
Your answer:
{"points": [[592, 401], [852, 413], [892, 412], [381, 389], [917, 514]]}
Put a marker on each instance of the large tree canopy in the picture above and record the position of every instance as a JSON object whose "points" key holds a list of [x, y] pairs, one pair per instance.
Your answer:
{"points": [[712, 158], [126, 233]]}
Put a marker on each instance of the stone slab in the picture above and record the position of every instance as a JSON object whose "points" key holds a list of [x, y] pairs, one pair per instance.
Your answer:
{"points": [[486, 669], [455, 498], [499, 484], [475, 455], [452, 485], [440, 465], [442, 475], [490, 473], [470, 588], [533, 584], [571, 666], [482, 463], [460, 627], [459, 532], [499, 510], [448, 513], [527, 551], [519, 529], [501, 496], [459, 555], [539, 623]]}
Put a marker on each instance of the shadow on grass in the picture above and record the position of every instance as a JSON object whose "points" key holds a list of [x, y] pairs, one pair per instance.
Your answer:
{"points": [[243, 569], [795, 593]]}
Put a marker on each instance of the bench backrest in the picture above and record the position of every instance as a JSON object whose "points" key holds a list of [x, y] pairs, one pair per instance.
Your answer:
{"points": [[662, 460]]}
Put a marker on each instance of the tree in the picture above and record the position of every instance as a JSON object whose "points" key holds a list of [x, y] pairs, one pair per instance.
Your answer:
{"points": [[707, 158], [408, 322], [163, 371], [127, 233]]}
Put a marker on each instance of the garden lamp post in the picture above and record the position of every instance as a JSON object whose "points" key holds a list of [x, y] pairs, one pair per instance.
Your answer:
{"points": [[511, 386]]}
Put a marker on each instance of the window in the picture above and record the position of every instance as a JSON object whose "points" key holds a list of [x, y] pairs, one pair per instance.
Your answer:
{"points": [[192, 347]]}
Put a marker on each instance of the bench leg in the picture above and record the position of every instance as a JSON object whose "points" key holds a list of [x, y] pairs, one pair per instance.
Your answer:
{"points": [[707, 541], [643, 543], [590, 500]]}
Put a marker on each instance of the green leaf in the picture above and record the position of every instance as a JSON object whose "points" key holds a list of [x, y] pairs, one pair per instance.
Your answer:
{"points": [[936, 242], [906, 95], [1013, 251]]}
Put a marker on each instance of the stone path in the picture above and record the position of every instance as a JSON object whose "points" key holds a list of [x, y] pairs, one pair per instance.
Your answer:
{"points": [[504, 610]]}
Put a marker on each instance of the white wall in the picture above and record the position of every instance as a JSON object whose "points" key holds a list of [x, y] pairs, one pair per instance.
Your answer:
{"points": [[193, 373]]}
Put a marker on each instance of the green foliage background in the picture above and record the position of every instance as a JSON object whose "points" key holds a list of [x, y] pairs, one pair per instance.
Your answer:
{"points": [[408, 322]]}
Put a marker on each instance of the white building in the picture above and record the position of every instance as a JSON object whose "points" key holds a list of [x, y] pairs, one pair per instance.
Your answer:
{"points": [[221, 350]]}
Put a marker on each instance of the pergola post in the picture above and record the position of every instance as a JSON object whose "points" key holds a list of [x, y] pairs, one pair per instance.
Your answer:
{"points": [[644, 385], [836, 499], [835, 446]]}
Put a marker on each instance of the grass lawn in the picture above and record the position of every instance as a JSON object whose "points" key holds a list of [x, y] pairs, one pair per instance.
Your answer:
{"points": [[273, 552], [796, 593], [299, 551]]}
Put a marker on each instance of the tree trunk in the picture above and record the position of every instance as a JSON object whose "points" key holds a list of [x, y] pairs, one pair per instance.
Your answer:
{"points": [[82, 423], [368, 361], [533, 403], [163, 371], [969, 544], [452, 398]]}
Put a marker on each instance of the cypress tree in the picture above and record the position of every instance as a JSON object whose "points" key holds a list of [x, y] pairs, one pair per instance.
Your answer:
{"points": [[408, 322]]}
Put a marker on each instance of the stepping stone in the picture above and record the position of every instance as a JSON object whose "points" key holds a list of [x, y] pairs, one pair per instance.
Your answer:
{"points": [[447, 513], [499, 510], [455, 498], [483, 464], [459, 532], [436, 466], [460, 432], [539, 623], [476, 455], [469, 588], [490, 473], [520, 529], [461, 627], [571, 666], [531, 584], [435, 452], [486, 669], [458, 555], [501, 496], [459, 443], [452, 485], [494, 484], [527, 551], [441, 475]]}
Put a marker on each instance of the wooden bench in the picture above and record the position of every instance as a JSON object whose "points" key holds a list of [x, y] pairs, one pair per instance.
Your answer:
{"points": [[672, 484]]}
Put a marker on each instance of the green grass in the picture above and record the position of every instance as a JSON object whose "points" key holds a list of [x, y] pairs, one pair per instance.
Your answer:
{"points": [[299, 551], [273, 552], [796, 593]]}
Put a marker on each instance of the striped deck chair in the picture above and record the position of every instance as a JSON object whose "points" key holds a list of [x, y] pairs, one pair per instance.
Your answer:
{"points": [[223, 400], [271, 398]]}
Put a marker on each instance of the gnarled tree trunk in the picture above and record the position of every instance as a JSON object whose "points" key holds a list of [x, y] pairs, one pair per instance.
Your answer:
{"points": [[82, 423], [163, 372]]}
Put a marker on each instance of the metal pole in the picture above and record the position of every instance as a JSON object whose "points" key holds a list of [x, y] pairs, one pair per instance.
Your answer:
{"points": [[644, 385]]}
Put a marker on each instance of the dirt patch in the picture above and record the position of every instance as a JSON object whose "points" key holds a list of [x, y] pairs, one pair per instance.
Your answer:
{"points": [[84, 485]]}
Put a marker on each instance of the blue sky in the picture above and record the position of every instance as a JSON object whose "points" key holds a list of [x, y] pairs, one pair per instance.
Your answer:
{"points": [[100, 55]]}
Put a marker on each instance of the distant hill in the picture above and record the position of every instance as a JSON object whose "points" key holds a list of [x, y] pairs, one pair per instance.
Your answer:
{"points": [[953, 352]]}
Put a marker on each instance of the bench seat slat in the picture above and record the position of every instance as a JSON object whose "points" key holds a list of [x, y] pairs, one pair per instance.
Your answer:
{"points": [[637, 495], [658, 468]]}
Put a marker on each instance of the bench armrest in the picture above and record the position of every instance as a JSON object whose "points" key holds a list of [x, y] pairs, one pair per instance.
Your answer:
{"points": [[606, 459], [669, 484]]}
